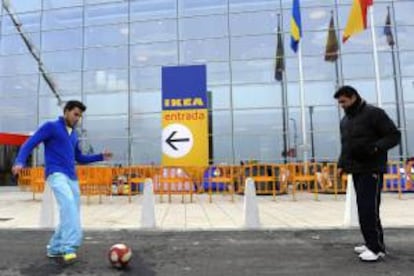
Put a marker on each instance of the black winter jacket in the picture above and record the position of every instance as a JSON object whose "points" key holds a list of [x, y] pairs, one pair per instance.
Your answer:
{"points": [[367, 133]]}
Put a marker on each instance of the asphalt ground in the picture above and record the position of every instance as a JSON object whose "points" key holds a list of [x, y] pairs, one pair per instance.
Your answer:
{"points": [[278, 252]]}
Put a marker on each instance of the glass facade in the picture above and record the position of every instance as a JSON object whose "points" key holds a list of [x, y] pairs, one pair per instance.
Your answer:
{"points": [[109, 54]]}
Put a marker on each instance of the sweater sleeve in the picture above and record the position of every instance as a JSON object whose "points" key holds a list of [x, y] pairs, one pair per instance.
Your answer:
{"points": [[41, 135], [85, 159]]}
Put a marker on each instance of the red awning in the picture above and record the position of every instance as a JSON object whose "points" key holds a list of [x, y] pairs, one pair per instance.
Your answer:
{"points": [[12, 139]]}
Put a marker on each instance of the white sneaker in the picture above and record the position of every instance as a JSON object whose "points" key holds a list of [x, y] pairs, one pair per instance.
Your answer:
{"points": [[369, 256], [360, 249]]}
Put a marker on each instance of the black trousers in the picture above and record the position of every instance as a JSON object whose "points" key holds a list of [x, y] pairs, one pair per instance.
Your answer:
{"points": [[368, 194]]}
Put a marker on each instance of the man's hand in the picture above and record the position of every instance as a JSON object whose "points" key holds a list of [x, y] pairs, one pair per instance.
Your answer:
{"points": [[107, 155], [16, 169], [340, 171]]}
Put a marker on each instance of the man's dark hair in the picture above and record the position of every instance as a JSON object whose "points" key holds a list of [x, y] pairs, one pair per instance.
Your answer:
{"points": [[347, 91], [73, 104]]}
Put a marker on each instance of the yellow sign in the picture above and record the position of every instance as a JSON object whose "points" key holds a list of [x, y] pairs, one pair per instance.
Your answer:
{"points": [[185, 137]]}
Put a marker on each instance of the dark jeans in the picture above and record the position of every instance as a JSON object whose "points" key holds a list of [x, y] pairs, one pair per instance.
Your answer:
{"points": [[368, 193]]}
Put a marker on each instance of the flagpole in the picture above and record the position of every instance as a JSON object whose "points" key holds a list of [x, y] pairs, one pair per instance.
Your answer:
{"points": [[302, 106], [400, 90], [375, 54], [285, 112], [398, 101]]}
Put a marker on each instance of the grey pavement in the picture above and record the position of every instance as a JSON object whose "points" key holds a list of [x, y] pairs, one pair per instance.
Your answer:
{"points": [[276, 252], [302, 237]]}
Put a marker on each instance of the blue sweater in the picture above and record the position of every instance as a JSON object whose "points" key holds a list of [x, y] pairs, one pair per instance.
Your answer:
{"points": [[61, 149]]}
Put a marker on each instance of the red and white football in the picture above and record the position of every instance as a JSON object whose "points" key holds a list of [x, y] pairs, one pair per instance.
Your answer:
{"points": [[119, 255]]}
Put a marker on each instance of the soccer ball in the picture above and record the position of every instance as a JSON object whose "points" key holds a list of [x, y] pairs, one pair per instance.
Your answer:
{"points": [[119, 255]]}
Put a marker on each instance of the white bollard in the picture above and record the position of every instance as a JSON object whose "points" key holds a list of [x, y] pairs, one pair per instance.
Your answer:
{"points": [[49, 213], [148, 205], [251, 211], [351, 209]]}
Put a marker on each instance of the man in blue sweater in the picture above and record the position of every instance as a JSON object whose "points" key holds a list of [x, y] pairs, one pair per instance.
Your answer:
{"points": [[62, 150]]}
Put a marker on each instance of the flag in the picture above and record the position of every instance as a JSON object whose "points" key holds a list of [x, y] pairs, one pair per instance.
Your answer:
{"points": [[388, 31], [280, 56], [357, 20], [332, 46], [295, 26]]}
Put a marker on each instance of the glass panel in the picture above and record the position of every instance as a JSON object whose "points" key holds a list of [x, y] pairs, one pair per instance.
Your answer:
{"points": [[106, 13], [218, 73], [220, 97], [118, 146], [146, 78], [164, 53], [407, 63], [62, 39], [253, 47], [66, 83], [222, 150], [405, 40], [253, 71], [105, 81], [254, 23], [358, 66], [17, 106], [258, 141], [105, 126], [327, 147], [106, 35], [154, 31], [62, 18], [116, 57], [53, 4], [146, 102], [19, 86], [107, 104], [30, 22], [410, 131], [18, 123], [146, 151], [256, 96], [15, 65], [248, 5], [147, 126], [14, 44], [203, 27], [21, 6], [63, 61], [202, 51], [408, 86], [146, 147], [148, 9], [319, 93], [191, 7]]}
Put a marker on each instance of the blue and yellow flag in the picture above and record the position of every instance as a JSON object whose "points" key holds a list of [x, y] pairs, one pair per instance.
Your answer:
{"points": [[295, 26]]}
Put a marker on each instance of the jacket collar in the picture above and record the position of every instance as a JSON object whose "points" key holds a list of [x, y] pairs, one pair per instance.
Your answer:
{"points": [[355, 107]]}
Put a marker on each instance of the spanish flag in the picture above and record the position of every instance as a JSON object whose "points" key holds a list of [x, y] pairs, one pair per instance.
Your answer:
{"points": [[295, 26], [357, 20]]}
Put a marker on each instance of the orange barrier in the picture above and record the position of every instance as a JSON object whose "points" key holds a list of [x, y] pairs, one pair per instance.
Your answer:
{"points": [[304, 175], [268, 178], [220, 179], [94, 181], [327, 179], [32, 179], [173, 180], [136, 176]]}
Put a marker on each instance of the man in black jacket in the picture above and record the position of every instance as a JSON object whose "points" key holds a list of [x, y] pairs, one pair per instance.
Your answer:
{"points": [[367, 133]]}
